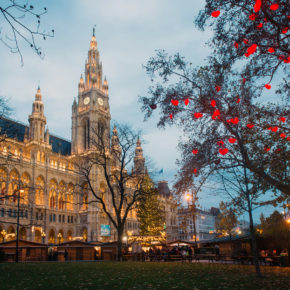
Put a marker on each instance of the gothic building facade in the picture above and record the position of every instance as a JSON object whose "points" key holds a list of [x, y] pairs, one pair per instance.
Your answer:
{"points": [[37, 176]]}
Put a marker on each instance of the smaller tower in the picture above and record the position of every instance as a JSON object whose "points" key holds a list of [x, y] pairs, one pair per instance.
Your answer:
{"points": [[37, 120], [139, 160]]}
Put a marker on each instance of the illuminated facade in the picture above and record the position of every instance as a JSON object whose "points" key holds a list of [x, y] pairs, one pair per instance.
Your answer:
{"points": [[38, 167]]}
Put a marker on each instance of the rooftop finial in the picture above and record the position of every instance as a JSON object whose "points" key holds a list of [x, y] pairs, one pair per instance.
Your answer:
{"points": [[94, 29]]}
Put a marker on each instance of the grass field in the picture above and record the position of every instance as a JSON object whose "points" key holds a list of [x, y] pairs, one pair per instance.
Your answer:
{"points": [[131, 275]]}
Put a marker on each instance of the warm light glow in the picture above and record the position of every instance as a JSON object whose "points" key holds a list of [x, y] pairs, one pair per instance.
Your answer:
{"points": [[187, 196], [288, 220], [43, 234]]}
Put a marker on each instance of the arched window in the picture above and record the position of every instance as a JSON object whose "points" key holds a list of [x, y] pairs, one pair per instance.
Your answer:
{"points": [[69, 235], [51, 237], [13, 185], [24, 192], [39, 191], [61, 195], [3, 179], [10, 233], [52, 193], [84, 202], [69, 197]]}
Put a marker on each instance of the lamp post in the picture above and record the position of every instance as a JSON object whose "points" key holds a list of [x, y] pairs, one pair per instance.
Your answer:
{"points": [[193, 209], [3, 234], [43, 235], [59, 236]]}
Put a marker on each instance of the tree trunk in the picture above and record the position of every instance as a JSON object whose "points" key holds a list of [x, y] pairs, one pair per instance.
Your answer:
{"points": [[119, 243], [254, 244]]}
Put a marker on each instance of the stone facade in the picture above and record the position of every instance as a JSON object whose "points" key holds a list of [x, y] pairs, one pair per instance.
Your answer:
{"points": [[38, 168]]}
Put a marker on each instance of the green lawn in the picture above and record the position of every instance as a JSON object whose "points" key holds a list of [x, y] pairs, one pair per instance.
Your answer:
{"points": [[131, 275]]}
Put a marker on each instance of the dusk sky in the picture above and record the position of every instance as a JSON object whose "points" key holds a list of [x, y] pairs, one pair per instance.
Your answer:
{"points": [[128, 32]]}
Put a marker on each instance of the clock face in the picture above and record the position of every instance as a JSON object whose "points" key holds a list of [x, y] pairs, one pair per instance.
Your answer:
{"points": [[86, 100], [100, 101]]}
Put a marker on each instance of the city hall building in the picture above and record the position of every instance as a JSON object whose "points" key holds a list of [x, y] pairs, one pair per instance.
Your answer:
{"points": [[37, 169]]}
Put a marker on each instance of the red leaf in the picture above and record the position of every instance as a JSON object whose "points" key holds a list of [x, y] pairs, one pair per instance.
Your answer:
{"points": [[274, 6], [257, 5], [275, 129], [283, 135], [215, 114], [271, 50], [252, 49], [245, 41], [220, 143], [198, 115], [288, 138], [244, 80], [195, 171], [236, 45], [282, 119], [268, 86], [232, 140], [186, 101], [285, 30], [194, 151], [153, 106], [215, 13], [171, 116], [223, 151], [238, 100], [267, 149], [213, 103], [260, 25], [218, 88], [174, 102], [250, 126], [253, 16], [270, 128]]}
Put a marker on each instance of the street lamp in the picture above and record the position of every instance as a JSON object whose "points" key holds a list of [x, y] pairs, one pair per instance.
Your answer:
{"points": [[59, 236], [187, 197], [3, 234], [43, 235]]}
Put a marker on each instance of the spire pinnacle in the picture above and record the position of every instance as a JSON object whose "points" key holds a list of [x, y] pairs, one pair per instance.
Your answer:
{"points": [[38, 95]]}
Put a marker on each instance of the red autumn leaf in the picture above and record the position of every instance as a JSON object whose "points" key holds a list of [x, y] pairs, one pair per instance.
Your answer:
{"points": [[223, 151], [213, 103], [270, 128], [220, 143], [268, 86], [274, 6], [288, 138], [244, 80], [257, 5], [236, 45], [278, 150], [218, 88], [153, 106], [195, 171], [238, 100], [271, 50], [252, 49], [171, 116], [260, 25], [282, 119], [232, 140], [283, 135], [235, 120], [215, 13], [186, 101], [174, 102], [198, 115], [285, 30], [215, 114], [250, 126], [194, 151], [265, 19], [267, 149], [245, 41], [275, 129], [253, 17]]}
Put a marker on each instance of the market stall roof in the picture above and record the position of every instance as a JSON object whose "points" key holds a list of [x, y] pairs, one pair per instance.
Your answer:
{"points": [[180, 243]]}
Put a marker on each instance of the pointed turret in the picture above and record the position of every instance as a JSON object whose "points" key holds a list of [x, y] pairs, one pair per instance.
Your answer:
{"points": [[37, 120], [139, 160], [106, 86], [81, 84]]}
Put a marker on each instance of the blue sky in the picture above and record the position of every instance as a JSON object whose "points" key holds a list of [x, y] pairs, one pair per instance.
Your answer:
{"points": [[128, 32]]}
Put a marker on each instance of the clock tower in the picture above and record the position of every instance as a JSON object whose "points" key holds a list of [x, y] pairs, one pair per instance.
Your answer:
{"points": [[91, 111]]}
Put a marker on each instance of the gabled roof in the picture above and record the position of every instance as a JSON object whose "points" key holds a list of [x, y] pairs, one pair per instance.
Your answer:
{"points": [[16, 130], [75, 244]]}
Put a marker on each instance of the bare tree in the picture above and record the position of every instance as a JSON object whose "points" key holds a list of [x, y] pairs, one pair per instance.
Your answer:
{"points": [[123, 188], [21, 23]]}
